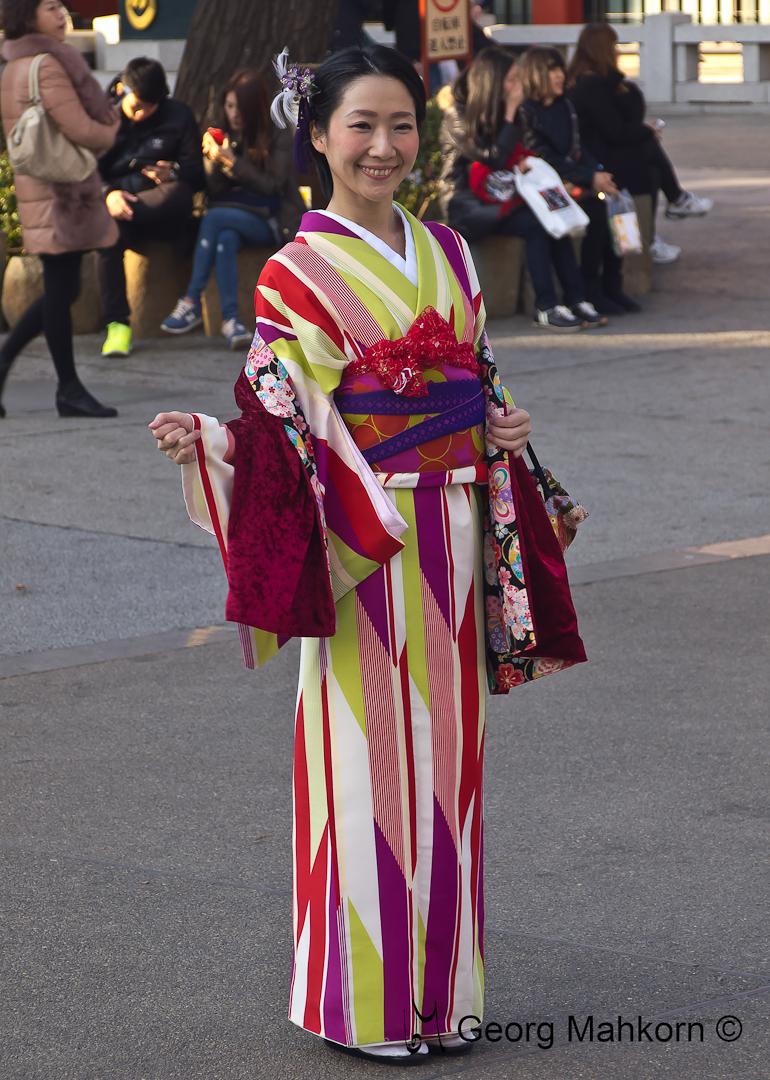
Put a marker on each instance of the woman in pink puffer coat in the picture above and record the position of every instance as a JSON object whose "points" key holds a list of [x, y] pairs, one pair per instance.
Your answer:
{"points": [[60, 221]]}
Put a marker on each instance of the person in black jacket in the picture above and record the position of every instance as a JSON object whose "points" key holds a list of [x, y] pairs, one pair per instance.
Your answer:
{"points": [[149, 178], [550, 131], [611, 115], [481, 144]]}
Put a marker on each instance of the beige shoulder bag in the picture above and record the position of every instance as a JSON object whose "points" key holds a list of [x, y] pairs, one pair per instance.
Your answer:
{"points": [[38, 148]]}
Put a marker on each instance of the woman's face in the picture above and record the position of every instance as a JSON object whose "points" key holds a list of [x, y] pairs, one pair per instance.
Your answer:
{"points": [[233, 113], [556, 81], [372, 139], [512, 84], [51, 19]]}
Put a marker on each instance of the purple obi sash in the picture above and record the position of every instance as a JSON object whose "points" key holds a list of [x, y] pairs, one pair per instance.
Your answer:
{"points": [[460, 404]]}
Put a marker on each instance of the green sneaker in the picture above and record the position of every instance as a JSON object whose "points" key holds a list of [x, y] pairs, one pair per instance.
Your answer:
{"points": [[118, 341]]}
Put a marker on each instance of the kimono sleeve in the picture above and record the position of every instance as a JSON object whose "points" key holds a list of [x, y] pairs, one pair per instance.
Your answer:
{"points": [[265, 518]]}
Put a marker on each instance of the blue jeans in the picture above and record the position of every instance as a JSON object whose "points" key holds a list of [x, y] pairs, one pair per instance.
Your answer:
{"points": [[544, 255], [223, 232]]}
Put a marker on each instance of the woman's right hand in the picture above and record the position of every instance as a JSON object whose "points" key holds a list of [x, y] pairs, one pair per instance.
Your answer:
{"points": [[119, 204], [603, 182], [512, 98], [176, 436]]}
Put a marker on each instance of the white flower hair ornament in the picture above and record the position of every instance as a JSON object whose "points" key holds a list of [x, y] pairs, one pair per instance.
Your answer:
{"points": [[291, 105]]}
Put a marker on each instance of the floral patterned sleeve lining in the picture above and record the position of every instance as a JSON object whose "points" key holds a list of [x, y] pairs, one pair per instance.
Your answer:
{"points": [[512, 636], [272, 385]]}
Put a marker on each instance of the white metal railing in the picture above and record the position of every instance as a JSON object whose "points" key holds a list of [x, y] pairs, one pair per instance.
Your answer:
{"points": [[671, 50]]}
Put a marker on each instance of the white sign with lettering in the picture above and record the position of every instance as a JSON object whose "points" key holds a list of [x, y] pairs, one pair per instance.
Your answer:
{"points": [[447, 29]]}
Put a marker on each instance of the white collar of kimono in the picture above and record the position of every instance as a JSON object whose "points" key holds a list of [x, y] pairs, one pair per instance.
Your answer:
{"points": [[407, 266]]}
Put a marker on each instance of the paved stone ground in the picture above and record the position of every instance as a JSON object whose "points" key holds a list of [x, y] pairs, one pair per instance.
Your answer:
{"points": [[146, 810]]}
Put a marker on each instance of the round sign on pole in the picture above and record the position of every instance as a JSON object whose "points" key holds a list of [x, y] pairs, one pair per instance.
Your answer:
{"points": [[141, 13]]}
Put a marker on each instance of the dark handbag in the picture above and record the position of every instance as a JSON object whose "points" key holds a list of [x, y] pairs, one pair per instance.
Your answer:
{"points": [[564, 512], [530, 621]]}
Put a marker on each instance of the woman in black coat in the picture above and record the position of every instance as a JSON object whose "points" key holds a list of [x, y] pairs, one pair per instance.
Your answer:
{"points": [[481, 144], [611, 114], [550, 131]]}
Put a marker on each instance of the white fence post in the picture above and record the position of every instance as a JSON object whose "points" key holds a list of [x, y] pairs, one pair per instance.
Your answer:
{"points": [[656, 60], [756, 62], [687, 57]]}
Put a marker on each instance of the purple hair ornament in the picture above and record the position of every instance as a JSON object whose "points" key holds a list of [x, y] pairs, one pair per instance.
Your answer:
{"points": [[291, 106]]}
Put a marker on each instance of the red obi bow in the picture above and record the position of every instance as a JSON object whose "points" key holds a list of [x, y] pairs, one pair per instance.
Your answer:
{"points": [[399, 364]]}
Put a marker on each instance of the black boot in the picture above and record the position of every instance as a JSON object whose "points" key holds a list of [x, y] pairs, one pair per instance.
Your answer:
{"points": [[74, 400], [595, 295], [612, 287], [5, 367]]}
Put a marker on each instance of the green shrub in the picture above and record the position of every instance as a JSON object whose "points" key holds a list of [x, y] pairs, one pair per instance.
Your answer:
{"points": [[420, 188], [9, 217]]}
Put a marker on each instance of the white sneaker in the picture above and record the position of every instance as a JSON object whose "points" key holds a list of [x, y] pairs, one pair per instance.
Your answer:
{"points": [[664, 253], [689, 205], [559, 319]]}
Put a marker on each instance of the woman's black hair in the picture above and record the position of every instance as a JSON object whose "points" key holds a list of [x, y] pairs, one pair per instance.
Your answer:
{"points": [[337, 73], [19, 17]]}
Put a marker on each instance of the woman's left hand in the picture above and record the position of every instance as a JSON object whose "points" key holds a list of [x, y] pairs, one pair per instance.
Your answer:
{"points": [[510, 432]]}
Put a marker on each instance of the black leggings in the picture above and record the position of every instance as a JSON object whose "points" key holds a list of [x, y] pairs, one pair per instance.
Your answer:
{"points": [[662, 176], [544, 255], [597, 257], [51, 314]]}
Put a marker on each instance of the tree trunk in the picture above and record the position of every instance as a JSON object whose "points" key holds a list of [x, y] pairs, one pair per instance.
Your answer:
{"points": [[247, 34]]}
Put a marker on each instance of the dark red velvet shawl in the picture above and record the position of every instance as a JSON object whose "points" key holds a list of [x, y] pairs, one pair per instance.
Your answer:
{"points": [[277, 570]]}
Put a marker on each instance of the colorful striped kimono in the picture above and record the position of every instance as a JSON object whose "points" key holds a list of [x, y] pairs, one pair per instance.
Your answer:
{"points": [[388, 770]]}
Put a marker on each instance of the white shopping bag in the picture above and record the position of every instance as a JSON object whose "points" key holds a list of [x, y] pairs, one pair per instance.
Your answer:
{"points": [[623, 223], [545, 195]]}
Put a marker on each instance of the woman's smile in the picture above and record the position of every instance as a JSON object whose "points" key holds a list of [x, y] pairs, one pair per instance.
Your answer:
{"points": [[378, 172]]}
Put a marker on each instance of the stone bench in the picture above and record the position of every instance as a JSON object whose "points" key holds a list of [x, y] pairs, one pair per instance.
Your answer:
{"points": [[501, 266], [156, 276], [251, 260], [22, 284]]}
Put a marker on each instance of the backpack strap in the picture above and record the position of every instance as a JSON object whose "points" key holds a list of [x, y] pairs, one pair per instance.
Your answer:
{"points": [[575, 150]]}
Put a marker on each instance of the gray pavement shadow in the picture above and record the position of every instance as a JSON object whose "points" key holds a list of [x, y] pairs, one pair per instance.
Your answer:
{"points": [[82, 586], [146, 842], [120, 975]]}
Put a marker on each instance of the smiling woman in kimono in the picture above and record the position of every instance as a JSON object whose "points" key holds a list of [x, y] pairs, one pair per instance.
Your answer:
{"points": [[358, 473]]}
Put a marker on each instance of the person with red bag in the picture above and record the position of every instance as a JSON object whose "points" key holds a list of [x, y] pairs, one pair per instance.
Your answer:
{"points": [[481, 143]]}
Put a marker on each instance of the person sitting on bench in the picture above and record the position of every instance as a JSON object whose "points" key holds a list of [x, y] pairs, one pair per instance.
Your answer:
{"points": [[150, 176]]}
